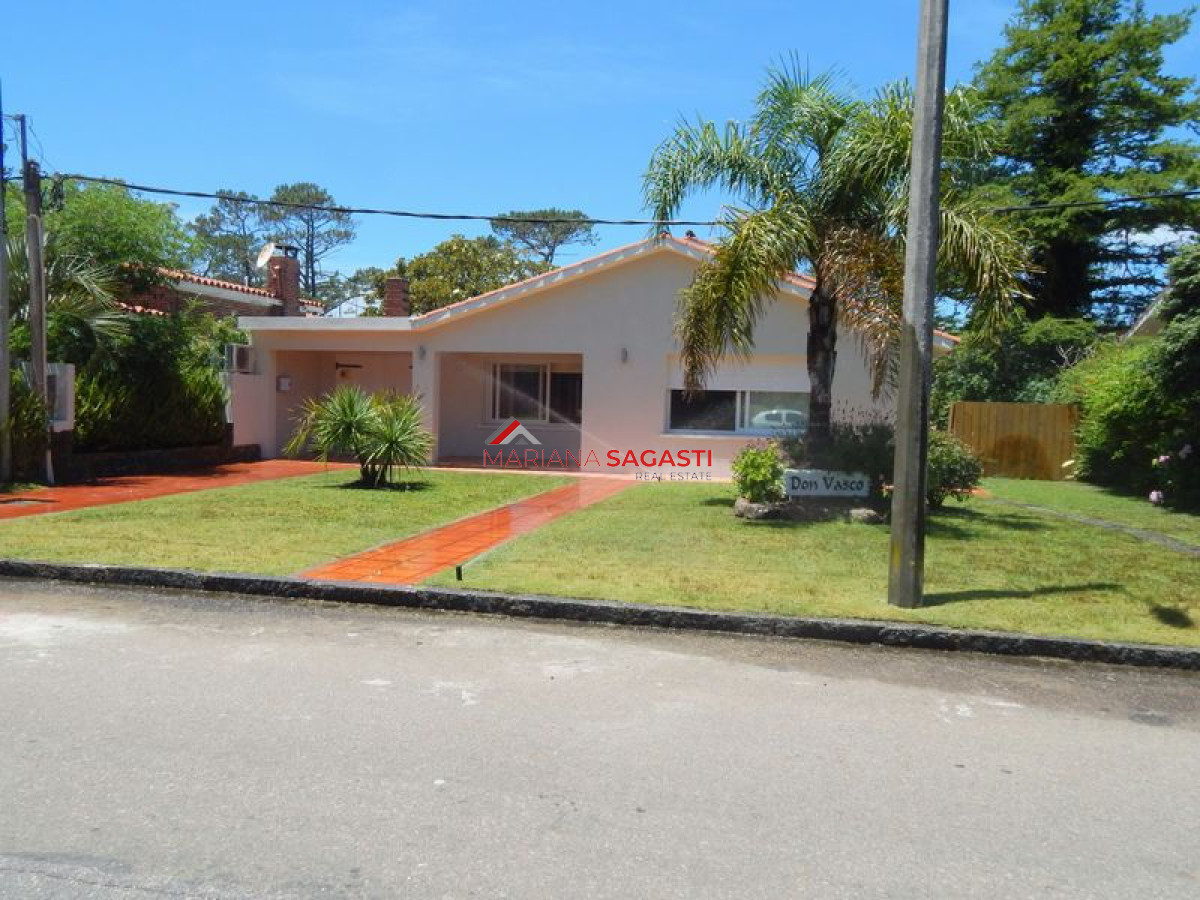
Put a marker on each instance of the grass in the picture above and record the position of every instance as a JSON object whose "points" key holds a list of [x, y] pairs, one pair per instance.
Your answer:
{"points": [[272, 527], [1098, 503], [988, 566]]}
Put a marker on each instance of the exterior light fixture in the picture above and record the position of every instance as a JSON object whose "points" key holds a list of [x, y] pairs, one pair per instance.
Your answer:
{"points": [[624, 354]]}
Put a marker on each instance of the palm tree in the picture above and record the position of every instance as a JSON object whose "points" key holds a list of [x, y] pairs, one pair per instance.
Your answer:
{"points": [[82, 314], [824, 177]]}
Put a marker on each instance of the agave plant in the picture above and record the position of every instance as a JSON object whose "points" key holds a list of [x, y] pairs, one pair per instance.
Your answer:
{"points": [[382, 432], [825, 180]]}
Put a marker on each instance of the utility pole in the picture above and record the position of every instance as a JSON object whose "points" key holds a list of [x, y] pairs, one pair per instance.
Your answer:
{"points": [[6, 471], [37, 290], [906, 569]]}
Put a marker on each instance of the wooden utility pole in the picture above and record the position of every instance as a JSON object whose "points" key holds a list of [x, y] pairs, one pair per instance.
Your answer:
{"points": [[6, 470], [37, 294], [906, 569]]}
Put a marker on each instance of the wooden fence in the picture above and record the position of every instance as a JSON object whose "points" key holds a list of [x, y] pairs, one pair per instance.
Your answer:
{"points": [[1018, 440]]}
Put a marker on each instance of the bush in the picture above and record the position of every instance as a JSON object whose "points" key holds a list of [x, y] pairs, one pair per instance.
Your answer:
{"points": [[382, 432], [1139, 402], [28, 423], [859, 441], [1021, 366], [159, 386], [953, 470], [758, 472], [866, 442]]}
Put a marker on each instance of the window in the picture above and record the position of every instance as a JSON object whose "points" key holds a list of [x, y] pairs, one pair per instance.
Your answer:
{"points": [[532, 393], [566, 397], [519, 391], [768, 411], [704, 411], [749, 412]]}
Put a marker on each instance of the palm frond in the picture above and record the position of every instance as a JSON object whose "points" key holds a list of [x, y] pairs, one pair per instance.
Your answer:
{"points": [[719, 310], [700, 156], [987, 254]]}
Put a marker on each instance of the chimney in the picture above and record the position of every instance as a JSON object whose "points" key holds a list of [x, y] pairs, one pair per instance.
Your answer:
{"points": [[395, 296], [283, 280]]}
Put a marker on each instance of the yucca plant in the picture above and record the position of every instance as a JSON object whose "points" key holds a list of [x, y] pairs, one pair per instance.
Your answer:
{"points": [[825, 180], [382, 432]]}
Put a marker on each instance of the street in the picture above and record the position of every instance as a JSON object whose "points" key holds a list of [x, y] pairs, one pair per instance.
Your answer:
{"points": [[179, 745]]}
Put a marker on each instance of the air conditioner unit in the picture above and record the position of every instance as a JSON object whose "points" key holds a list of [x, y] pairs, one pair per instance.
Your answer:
{"points": [[240, 358], [60, 392]]}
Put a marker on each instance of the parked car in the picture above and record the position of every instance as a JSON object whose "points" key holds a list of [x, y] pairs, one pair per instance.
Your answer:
{"points": [[780, 420]]}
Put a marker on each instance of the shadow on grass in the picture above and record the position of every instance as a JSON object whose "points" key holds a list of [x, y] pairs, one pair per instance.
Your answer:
{"points": [[963, 523], [939, 598], [1172, 616], [727, 502], [395, 486]]}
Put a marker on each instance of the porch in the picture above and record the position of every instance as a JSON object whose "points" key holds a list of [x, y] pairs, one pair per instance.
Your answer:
{"points": [[480, 392]]}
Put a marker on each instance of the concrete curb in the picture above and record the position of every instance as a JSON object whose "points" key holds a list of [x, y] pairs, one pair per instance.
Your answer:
{"points": [[853, 631]]}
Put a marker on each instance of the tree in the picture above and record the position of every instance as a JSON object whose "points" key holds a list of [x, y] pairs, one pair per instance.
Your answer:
{"points": [[1020, 365], [82, 315], [315, 232], [106, 226], [460, 268], [543, 239], [229, 237], [825, 177], [1085, 113]]}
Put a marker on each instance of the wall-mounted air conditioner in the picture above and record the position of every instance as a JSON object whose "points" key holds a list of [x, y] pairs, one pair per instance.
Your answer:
{"points": [[240, 358]]}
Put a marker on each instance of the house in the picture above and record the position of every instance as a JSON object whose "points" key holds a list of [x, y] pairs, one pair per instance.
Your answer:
{"points": [[281, 296], [583, 356]]}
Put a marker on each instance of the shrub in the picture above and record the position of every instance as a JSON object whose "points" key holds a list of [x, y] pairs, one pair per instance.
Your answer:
{"points": [[1020, 366], [758, 472], [859, 441], [27, 419], [383, 432], [953, 470], [158, 386]]}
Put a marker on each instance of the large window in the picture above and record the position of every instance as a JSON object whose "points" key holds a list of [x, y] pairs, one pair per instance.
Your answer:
{"points": [[747, 412], [531, 392]]}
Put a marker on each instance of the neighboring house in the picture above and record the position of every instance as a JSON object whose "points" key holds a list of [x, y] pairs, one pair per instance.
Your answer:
{"points": [[584, 356], [281, 296]]}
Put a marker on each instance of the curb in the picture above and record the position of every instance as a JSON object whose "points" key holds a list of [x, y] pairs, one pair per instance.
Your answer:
{"points": [[600, 612]]}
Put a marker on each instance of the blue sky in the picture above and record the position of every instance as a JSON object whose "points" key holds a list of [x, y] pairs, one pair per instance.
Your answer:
{"points": [[465, 107]]}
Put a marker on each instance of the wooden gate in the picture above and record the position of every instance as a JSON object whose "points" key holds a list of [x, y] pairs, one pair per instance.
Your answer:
{"points": [[1018, 440]]}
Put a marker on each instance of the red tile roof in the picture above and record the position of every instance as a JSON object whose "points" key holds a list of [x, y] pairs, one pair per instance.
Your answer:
{"points": [[180, 275]]}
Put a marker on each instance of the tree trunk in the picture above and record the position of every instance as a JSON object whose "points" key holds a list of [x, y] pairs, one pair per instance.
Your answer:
{"points": [[822, 356]]}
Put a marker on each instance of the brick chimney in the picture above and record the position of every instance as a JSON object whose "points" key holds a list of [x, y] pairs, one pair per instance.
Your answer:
{"points": [[283, 281], [395, 296]]}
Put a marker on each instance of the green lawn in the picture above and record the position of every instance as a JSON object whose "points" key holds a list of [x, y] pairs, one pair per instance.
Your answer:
{"points": [[988, 566], [272, 527], [1098, 503]]}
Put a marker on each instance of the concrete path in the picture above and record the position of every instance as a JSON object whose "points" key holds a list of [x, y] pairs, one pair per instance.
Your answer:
{"points": [[124, 488], [412, 560], [169, 745]]}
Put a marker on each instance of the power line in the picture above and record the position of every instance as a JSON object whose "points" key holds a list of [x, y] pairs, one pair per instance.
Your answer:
{"points": [[368, 211], [1080, 204], [535, 220]]}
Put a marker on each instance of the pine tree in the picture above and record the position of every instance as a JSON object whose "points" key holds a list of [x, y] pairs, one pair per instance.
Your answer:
{"points": [[1086, 113]]}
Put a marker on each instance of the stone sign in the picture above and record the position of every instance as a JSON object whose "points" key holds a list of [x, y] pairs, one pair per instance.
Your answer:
{"points": [[823, 483]]}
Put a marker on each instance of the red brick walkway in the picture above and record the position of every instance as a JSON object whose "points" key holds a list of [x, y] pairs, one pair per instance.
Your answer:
{"points": [[122, 489], [414, 559]]}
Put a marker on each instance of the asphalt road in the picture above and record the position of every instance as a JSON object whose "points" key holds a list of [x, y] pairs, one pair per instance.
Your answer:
{"points": [[174, 745]]}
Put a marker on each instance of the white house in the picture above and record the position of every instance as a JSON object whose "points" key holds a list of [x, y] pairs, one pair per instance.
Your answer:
{"points": [[584, 356]]}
